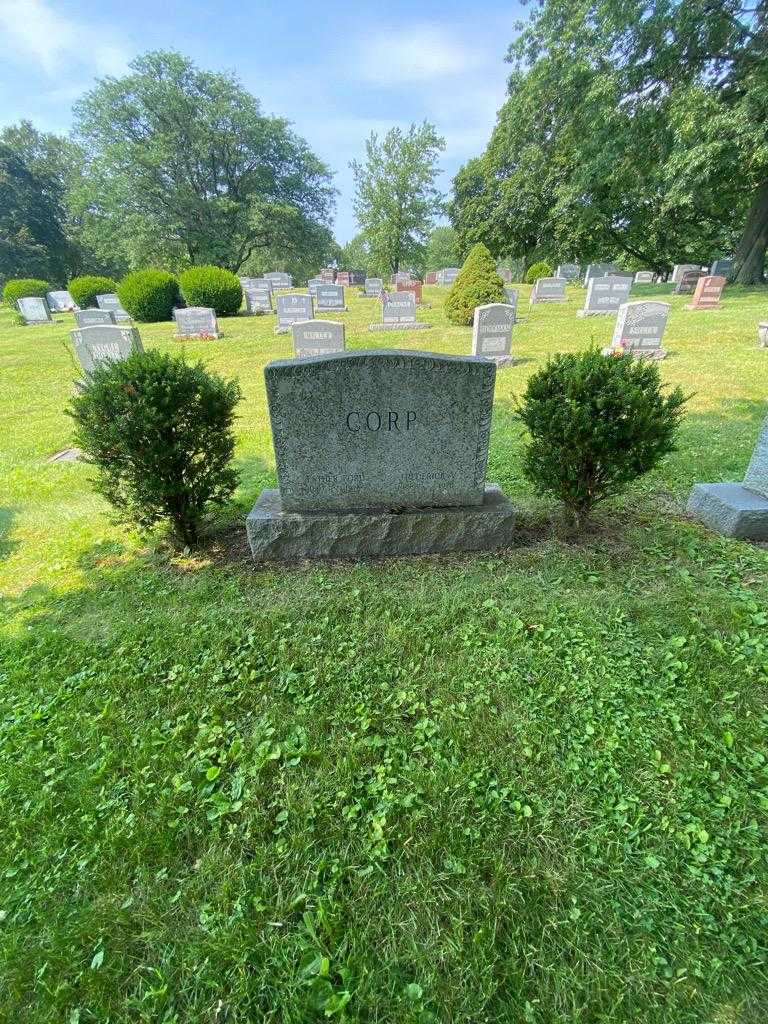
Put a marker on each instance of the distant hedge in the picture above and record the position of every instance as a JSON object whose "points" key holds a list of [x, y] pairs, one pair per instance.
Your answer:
{"points": [[85, 289], [476, 285], [149, 295], [213, 287], [537, 270], [21, 287]]}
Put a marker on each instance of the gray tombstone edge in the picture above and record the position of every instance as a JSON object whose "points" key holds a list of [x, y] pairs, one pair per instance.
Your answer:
{"points": [[640, 328], [258, 297], [196, 322], [34, 309], [548, 289], [373, 286], [109, 300], [398, 307], [104, 343], [291, 308], [492, 331], [330, 297], [92, 317], [61, 301], [317, 338], [605, 295], [569, 271]]}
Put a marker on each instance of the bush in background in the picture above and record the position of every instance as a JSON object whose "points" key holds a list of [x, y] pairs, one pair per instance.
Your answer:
{"points": [[149, 295], [85, 289], [596, 423], [213, 287], [21, 287], [537, 270], [476, 284], [160, 433]]}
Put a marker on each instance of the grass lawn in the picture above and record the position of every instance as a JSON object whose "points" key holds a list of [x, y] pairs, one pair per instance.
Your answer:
{"points": [[527, 786]]}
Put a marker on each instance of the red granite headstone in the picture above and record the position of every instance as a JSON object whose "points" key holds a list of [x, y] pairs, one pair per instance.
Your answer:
{"points": [[708, 292], [431, 277], [342, 277], [411, 286]]}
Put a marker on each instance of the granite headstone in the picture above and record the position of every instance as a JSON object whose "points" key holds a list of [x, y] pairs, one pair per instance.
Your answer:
{"points": [[92, 317], [605, 295], [548, 289], [330, 297], [640, 327], [104, 342], [196, 322], [373, 287], [569, 271], [317, 338], [291, 308], [61, 301], [492, 332], [708, 293], [34, 309], [111, 302]]}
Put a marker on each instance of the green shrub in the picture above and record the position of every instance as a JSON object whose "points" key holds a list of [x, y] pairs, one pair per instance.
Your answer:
{"points": [[85, 289], [537, 270], [213, 287], [21, 287], [160, 433], [149, 295], [596, 424], [476, 284]]}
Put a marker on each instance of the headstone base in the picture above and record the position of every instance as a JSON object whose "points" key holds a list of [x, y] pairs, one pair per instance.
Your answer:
{"points": [[730, 509], [417, 325], [596, 312], [275, 535], [701, 309], [654, 354], [501, 361]]}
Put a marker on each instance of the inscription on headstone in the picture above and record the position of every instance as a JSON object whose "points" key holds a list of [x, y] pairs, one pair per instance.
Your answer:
{"points": [[723, 267], [644, 277], [708, 292], [94, 345], [605, 295], [92, 317], [61, 301], [291, 308], [492, 331], [680, 268], [342, 278], [599, 270], [279, 279], [111, 302], [569, 271], [448, 275], [687, 282], [329, 297], [34, 309], [398, 307], [411, 286], [548, 289], [373, 287], [317, 338], [196, 322], [258, 296], [640, 328]]}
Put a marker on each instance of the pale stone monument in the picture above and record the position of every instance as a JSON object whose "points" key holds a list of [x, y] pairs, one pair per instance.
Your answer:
{"points": [[639, 329], [680, 268], [398, 313], [492, 332], [92, 317], [196, 322], [61, 301], [380, 452], [111, 302], [723, 267], [548, 289], [279, 279], [34, 310], [737, 510], [373, 287], [644, 277], [605, 295], [511, 297], [708, 293], [598, 270], [291, 308], [104, 343], [570, 271], [448, 275], [330, 297], [317, 338], [258, 296]]}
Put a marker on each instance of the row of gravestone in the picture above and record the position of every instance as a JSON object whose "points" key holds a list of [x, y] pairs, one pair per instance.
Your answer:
{"points": [[37, 310]]}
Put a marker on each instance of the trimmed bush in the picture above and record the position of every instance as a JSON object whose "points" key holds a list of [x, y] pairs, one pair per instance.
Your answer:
{"points": [[476, 284], [85, 289], [537, 270], [149, 295], [21, 287], [160, 433], [214, 287], [596, 423]]}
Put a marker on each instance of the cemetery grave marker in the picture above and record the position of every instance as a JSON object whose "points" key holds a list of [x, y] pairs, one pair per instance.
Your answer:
{"points": [[111, 302], [291, 308], [548, 289], [61, 301], [356, 277], [34, 309], [639, 329], [373, 287], [687, 282], [505, 274], [644, 277], [279, 279], [104, 343], [431, 277], [599, 270], [398, 313], [317, 338], [737, 510], [379, 452], [258, 296], [448, 275], [328, 275], [411, 286], [330, 297], [708, 292], [605, 295], [492, 332], [762, 335], [92, 317], [570, 271], [723, 267], [343, 279], [196, 322], [680, 268]]}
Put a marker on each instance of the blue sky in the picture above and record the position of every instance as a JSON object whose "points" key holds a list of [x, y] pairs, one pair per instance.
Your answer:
{"points": [[335, 76]]}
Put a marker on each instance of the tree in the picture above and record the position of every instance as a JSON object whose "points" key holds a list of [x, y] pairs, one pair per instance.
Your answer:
{"points": [[477, 284], [441, 249], [184, 160], [396, 197]]}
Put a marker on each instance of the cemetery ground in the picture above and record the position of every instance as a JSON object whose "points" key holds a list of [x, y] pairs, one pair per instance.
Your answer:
{"points": [[527, 785]]}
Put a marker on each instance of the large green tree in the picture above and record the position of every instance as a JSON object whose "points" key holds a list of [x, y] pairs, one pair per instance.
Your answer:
{"points": [[184, 160], [634, 130], [396, 198], [441, 250]]}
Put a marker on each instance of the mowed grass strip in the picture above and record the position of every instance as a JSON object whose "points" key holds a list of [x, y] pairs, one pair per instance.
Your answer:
{"points": [[520, 786]]}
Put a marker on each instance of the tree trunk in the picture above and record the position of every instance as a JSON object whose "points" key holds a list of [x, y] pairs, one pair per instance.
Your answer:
{"points": [[750, 252]]}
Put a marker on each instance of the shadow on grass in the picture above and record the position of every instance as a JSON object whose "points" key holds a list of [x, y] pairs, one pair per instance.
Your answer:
{"points": [[6, 544]]}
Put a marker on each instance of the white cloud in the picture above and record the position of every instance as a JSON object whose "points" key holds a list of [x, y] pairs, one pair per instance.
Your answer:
{"points": [[419, 53], [35, 31]]}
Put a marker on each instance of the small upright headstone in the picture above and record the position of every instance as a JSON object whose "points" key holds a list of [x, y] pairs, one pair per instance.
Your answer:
{"points": [[34, 309], [687, 282], [511, 296], [723, 267], [356, 277], [317, 338], [708, 292], [737, 510], [328, 275], [402, 277], [411, 286], [680, 268], [61, 301], [381, 452], [569, 271], [548, 289], [492, 332], [313, 284], [291, 308], [343, 278], [111, 302], [605, 295], [93, 317], [398, 313], [104, 343], [644, 277], [196, 322], [373, 287], [448, 275], [258, 296], [279, 279], [639, 329], [505, 274], [329, 297], [431, 277], [598, 270]]}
